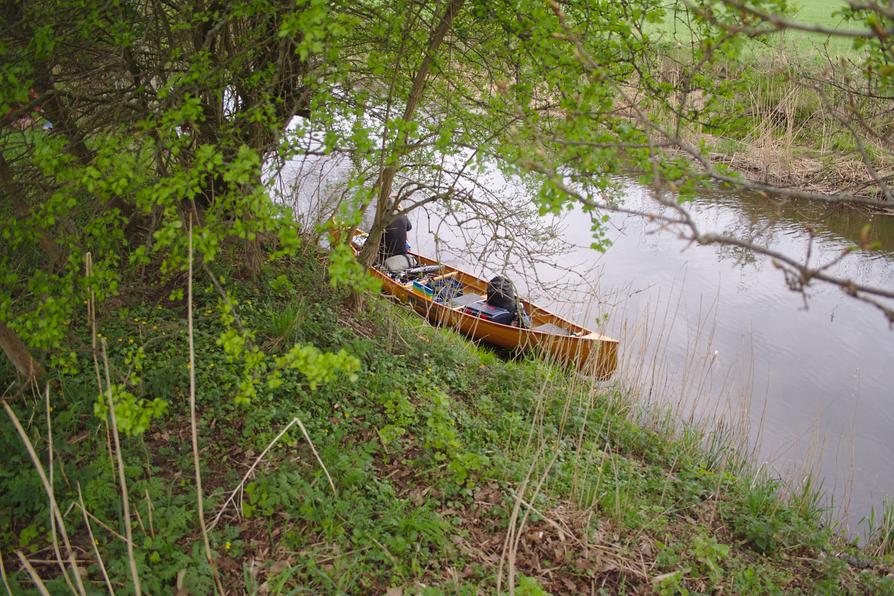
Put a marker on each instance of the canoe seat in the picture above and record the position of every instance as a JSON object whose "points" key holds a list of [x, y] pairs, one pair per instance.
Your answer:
{"points": [[465, 300], [551, 329]]}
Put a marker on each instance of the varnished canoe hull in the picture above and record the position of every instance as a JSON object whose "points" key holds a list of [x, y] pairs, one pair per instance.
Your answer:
{"points": [[592, 355], [589, 352]]}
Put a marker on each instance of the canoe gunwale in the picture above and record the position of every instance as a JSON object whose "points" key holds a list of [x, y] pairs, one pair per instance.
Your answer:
{"points": [[587, 350]]}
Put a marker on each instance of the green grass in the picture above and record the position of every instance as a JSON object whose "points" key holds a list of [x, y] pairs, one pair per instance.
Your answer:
{"points": [[774, 107], [822, 13], [429, 450], [794, 43]]}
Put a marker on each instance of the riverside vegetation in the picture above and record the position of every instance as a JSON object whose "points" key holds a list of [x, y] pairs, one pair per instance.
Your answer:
{"points": [[142, 150], [429, 465], [812, 114]]}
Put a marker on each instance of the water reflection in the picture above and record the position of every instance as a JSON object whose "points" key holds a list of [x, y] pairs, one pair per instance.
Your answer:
{"points": [[836, 224]]}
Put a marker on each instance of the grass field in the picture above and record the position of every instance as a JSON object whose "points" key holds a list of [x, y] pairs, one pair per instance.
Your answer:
{"points": [[823, 13], [817, 12]]}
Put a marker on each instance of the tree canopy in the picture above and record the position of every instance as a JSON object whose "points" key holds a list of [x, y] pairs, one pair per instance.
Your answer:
{"points": [[124, 123]]}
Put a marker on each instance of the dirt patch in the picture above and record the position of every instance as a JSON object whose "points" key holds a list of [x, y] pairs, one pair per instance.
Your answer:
{"points": [[769, 162], [566, 550], [768, 165]]}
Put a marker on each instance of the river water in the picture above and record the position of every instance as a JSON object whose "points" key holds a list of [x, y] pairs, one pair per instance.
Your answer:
{"points": [[716, 334]]}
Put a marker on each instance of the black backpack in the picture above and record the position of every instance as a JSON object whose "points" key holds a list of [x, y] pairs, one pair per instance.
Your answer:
{"points": [[501, 293]]}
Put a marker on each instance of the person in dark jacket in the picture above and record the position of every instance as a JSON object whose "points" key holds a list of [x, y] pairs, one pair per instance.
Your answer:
{"points": [[394, 241]]}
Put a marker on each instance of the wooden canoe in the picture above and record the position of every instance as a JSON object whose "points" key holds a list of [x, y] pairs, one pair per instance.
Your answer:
{"points": [[549, 334]]}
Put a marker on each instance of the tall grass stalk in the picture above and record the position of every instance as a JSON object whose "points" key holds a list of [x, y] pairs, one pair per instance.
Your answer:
{"points": [[881, 531], [3, 576], [886, 539], [35, 578], [513, 537], [510, 533], [94, 544], [710, 408], [579, 445], [58, 522], [53, 530], [125, 501], [193, 423], [251, 469]]}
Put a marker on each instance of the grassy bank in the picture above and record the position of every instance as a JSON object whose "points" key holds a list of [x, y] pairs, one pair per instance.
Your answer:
{"points": [[435, 467], [806, 112], [794, 129]]}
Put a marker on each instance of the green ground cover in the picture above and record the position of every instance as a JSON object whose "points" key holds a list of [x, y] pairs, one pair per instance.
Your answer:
{"points": [[437, 451], [806, 45], [822, 13]]}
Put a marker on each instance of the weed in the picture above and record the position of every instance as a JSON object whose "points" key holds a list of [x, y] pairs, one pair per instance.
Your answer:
{"points": [[881, 531], [709, 555], [424, 450]]}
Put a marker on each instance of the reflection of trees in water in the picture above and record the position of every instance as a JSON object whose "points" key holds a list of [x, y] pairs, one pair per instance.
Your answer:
{"points": [[740, 256], [799, 227], [841, 225]]}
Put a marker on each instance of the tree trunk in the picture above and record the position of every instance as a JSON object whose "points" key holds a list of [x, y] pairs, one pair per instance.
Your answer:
{"points": [[20, 209], [19, 355], [385, 181], [254, 257]]}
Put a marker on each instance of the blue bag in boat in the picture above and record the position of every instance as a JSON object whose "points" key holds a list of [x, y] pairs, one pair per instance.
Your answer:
{"points": [[446, 290]]}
